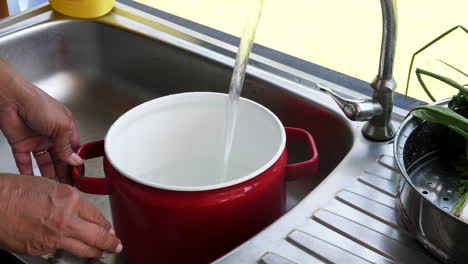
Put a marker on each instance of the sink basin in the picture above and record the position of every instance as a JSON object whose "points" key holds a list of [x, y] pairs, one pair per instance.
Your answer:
{"points": [[101, 68], [100, 71]]}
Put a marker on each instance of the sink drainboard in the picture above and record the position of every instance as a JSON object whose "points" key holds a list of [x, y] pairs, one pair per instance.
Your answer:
{"points": [[360, 225]]}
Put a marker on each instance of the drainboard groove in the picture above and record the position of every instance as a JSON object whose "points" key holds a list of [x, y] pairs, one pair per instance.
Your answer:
{"points": [[371, 193], [380, 184], [378, 242], [372, 208], [388, 162], [323, 250], [284, 252], [383, 171], [388, 175], [332, 237], [339, 208], [273, 258]]}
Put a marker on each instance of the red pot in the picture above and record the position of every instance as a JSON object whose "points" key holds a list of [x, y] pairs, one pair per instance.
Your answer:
{"points": [[160, 221]]}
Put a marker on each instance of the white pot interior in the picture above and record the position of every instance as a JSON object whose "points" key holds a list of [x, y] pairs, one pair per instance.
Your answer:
{"points": [[177, 142]]}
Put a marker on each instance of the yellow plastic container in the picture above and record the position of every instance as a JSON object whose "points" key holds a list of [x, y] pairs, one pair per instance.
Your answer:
{"points": [[82, 8]]}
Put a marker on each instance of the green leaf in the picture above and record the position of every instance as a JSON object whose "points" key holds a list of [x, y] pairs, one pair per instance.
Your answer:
{"points": [[460, 204], [453, 67], [459, 131], [441, 115], [462, 187], [424, 48], [444, 79], [423, 84]]}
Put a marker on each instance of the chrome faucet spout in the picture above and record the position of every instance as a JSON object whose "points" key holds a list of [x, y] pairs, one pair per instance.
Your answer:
{"points": [[378, 110], [389, 31]]}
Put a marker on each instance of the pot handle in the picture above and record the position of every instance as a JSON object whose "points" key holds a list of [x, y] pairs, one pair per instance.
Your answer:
{"points": [[88, 184], [308, 167]]}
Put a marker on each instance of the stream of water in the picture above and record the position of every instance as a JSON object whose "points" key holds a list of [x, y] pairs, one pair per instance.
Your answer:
{"points": [[237, 81]]}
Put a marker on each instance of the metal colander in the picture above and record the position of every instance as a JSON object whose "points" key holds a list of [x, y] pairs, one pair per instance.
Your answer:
{"points": [[424, 152], [435, 180]]}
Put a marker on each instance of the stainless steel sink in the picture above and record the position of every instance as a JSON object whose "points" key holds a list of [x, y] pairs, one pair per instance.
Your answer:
{"points": [[101, 68]]}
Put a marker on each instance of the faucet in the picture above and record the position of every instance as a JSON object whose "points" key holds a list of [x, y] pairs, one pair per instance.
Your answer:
{"points": [[378, 110]]}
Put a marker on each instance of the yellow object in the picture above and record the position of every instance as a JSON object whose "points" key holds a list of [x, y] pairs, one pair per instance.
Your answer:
{"points": [[82, 8]]}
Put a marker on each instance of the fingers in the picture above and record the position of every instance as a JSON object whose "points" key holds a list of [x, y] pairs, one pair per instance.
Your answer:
{"points": [[21, 152], [63, 147], [67, 140], [90, 213], [96, 229], [23, 162], [80, 249], [74, 137], [62, 170], [46, 165], [97, 237]]}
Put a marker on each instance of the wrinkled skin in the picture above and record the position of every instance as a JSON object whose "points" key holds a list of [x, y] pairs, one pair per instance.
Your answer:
{"points": [[32, 121], [42, 214]]}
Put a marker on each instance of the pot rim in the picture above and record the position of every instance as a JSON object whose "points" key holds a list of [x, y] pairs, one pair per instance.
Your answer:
{"points": [[242, 179], [400, 140]]}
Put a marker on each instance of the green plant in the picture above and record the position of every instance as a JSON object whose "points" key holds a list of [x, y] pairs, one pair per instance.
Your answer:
{"points": [[454, 116], [426, 47]]}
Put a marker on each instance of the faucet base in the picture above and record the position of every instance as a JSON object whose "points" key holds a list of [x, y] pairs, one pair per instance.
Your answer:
{"points": [[380, 127], [378, 133]]}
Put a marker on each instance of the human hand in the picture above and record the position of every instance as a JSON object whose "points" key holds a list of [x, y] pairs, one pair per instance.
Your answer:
{"points": [[34, 122], [40, 216]]}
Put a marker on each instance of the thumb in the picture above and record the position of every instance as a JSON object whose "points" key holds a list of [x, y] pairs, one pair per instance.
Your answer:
{"points": [[63, 147]]}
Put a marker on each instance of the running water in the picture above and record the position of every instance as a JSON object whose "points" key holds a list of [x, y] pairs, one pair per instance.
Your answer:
{"points": [[237, 82]]}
